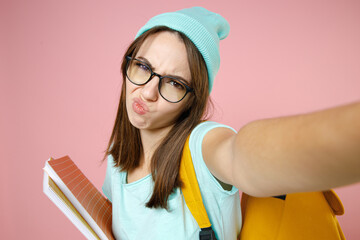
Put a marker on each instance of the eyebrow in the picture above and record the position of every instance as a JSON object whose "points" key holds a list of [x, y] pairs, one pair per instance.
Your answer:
{"points": [[168, 75]]}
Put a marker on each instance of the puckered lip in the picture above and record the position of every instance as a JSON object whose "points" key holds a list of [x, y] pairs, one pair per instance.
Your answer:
{"points": [[142, 104]]}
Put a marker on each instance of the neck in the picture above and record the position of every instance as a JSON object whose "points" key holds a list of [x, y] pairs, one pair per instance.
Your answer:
{"points": [[151, 140]]}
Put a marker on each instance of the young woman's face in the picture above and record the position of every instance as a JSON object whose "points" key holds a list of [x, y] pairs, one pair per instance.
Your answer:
{"points": [[165, 52]]}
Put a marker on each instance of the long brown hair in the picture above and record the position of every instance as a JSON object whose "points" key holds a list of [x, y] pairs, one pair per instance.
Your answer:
{"points": [[125, 141]]}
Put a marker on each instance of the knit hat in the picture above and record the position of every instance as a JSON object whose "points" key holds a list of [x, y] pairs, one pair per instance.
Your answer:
{"points": [[204, 28]]}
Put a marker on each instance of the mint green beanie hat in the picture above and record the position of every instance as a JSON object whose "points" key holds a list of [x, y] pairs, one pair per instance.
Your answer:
{"points": [[204, 28]]}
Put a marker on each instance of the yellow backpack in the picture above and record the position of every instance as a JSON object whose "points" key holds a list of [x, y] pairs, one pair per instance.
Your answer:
{"points": [[288, 217]]}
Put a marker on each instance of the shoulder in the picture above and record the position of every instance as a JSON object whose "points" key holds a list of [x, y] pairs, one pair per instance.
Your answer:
{"points": [[209, 136], [209, 128], [211, 143]]}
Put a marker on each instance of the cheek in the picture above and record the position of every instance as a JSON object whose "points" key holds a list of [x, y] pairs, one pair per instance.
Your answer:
{"points": [[174, 111], [128, 88], [127, 98]]}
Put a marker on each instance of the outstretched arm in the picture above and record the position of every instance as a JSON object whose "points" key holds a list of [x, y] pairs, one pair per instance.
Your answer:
{"points": [[309, 152]]}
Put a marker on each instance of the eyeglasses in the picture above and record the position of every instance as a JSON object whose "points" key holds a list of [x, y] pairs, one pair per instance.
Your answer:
{"points": [[170, 88]]}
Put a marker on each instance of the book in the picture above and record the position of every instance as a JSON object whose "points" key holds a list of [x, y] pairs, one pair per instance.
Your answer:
{"points": [[84, 205]]}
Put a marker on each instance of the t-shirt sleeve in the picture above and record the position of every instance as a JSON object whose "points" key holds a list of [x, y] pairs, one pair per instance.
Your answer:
{"points": [[106, 188], [203, 174]]}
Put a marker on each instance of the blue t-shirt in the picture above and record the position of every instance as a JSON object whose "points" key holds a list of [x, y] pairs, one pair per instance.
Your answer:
{"points": [[133, 220]]}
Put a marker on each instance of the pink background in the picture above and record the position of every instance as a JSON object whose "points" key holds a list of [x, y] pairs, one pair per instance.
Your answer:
{"points": [[60, 85]]}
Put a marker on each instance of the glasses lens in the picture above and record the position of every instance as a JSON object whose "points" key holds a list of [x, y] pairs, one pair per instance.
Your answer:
{"points": [[172, 89], [138, 72]]}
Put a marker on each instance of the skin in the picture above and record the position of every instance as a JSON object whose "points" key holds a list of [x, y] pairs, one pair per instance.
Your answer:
{"points": [[308, 152], [167, 55]]}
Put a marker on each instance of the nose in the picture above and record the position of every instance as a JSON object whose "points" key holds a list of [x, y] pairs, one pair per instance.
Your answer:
{"points": [[150, 90]]}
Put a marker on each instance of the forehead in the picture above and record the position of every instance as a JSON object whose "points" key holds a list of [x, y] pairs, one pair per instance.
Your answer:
{"points": [[166, 52]]}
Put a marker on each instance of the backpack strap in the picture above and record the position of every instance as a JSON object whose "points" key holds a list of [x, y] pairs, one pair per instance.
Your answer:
{"points": [[191, 191]]}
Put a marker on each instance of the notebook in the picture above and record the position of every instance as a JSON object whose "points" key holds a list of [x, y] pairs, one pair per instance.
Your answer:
{"points": [[69, 189]]}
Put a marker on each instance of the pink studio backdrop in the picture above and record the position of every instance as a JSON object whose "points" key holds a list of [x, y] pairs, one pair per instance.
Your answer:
{"points": [[60, 85]]}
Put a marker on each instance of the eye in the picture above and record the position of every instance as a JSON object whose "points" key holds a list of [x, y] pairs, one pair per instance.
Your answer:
{"points": [[175, 84], [142, 66]]}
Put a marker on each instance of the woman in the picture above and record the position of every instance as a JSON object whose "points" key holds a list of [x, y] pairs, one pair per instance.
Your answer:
{"points": [[168, 73]]}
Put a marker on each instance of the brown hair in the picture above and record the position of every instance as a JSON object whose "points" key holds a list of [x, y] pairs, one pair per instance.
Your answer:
{"points": [[125, 141]]}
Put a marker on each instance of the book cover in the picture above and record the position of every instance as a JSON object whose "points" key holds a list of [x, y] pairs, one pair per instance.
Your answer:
{"points": [[78, 198]]}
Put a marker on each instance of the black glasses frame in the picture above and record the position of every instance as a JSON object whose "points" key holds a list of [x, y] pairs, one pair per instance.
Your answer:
{"points": [[188, 89]]}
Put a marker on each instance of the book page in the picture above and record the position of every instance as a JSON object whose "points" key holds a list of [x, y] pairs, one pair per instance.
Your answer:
{"points": [[60, 194]]}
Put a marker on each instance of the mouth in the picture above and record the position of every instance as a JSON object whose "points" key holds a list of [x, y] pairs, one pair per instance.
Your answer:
{"points": [[139, 106]]}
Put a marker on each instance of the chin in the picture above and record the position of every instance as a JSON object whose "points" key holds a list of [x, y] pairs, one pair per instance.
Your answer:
{"points": [[138, 123]]}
